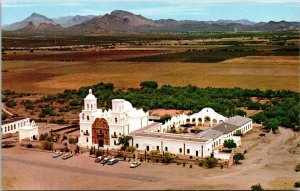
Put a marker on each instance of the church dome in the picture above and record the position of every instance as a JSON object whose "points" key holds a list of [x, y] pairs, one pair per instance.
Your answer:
{"points": [[90, 96], [127, 106]]}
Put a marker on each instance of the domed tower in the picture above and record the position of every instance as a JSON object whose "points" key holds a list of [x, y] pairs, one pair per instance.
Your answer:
{"points": [[90, 102], [87, 117]]}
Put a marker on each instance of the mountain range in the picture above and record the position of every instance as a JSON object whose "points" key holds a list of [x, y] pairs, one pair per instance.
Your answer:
{"points": [[124, 21]]}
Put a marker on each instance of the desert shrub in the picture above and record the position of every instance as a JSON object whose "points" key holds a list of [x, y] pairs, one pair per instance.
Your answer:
{"points": [[46, 145], [211, 162], [297, 168], [256, 187], [297, 184], [130, 149], [72, 140], [154, 152], [11, 103], [167, 157], [262, 134]]}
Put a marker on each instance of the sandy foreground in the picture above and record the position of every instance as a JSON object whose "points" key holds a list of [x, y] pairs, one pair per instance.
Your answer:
{"points": [[270, 163]]}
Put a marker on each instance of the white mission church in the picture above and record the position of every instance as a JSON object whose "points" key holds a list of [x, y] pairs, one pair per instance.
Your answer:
{"points": [[103, 128]]}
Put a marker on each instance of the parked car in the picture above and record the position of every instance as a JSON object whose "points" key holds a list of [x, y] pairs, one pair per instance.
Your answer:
{"points": [[66, 156], [105, 160], [99, 158], [135, 164], [112, 161], [57, 154]]}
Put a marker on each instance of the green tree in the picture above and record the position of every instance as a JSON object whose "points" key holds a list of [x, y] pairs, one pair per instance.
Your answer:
{"points": [[149, 84], [230, 144], [211, 162], [238, 156], [272, 124], [238, 133], [124, 141], [256, 187]]}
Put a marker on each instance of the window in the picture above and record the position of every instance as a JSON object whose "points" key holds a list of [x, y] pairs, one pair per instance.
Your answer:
{"points": [[115, 143], [14, 126], [116, 120], [180, 150], [147, 148], [157, 148], [137, 145], [91, 106], [115, 134], [87, 105], [196, 153], [101, 132], [83, 116], [188, 151], [4, 129], [88, 117], [1, 130], [87, 139], [166, 148]]}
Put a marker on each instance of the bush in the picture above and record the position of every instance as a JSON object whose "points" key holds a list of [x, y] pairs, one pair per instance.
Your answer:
{"points": [[297, 168], [256, 187], [29, 145], [297, 184], [167, 158], [154, 152], [238, 156], [46, 145], [130, 149], [262, 134], [11, 103], [211, 162], [72, 140], [98, 153]]}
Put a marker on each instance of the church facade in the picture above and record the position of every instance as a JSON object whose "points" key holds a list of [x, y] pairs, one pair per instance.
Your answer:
{"points": [[102, 128]]}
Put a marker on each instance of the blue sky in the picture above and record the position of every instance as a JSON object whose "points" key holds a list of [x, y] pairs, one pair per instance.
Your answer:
{"points": [[254, 10]]}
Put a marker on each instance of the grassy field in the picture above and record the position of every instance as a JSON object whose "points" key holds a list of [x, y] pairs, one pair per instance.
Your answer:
{"points": [[264, 72]]}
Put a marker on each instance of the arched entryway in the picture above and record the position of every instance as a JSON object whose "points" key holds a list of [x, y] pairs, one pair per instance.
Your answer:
{"points": [[100, 132]]}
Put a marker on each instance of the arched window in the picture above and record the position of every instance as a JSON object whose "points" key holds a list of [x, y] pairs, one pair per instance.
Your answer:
{"points": [[87, 106], [88, 117], [83, 116], [116, 120], [5, 129]]}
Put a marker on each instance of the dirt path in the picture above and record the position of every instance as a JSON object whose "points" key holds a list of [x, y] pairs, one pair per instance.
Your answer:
{"points": [[5, 110], [269, 163]]}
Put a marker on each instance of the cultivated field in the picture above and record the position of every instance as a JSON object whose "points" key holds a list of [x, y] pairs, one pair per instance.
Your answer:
{"points": [[264, 72]]}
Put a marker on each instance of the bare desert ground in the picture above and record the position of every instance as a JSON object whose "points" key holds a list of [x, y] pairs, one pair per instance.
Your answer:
{"points": [[270, 163]]}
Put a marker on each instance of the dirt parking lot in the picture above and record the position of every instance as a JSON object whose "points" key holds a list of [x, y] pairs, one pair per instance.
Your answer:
{"points": [[270, 163]]}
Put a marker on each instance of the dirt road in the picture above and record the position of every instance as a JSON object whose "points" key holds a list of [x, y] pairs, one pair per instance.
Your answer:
{"points": [[269, 163]]}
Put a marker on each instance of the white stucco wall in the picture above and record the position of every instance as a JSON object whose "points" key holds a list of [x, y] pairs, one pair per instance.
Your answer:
{"points": [[13, 127]]}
